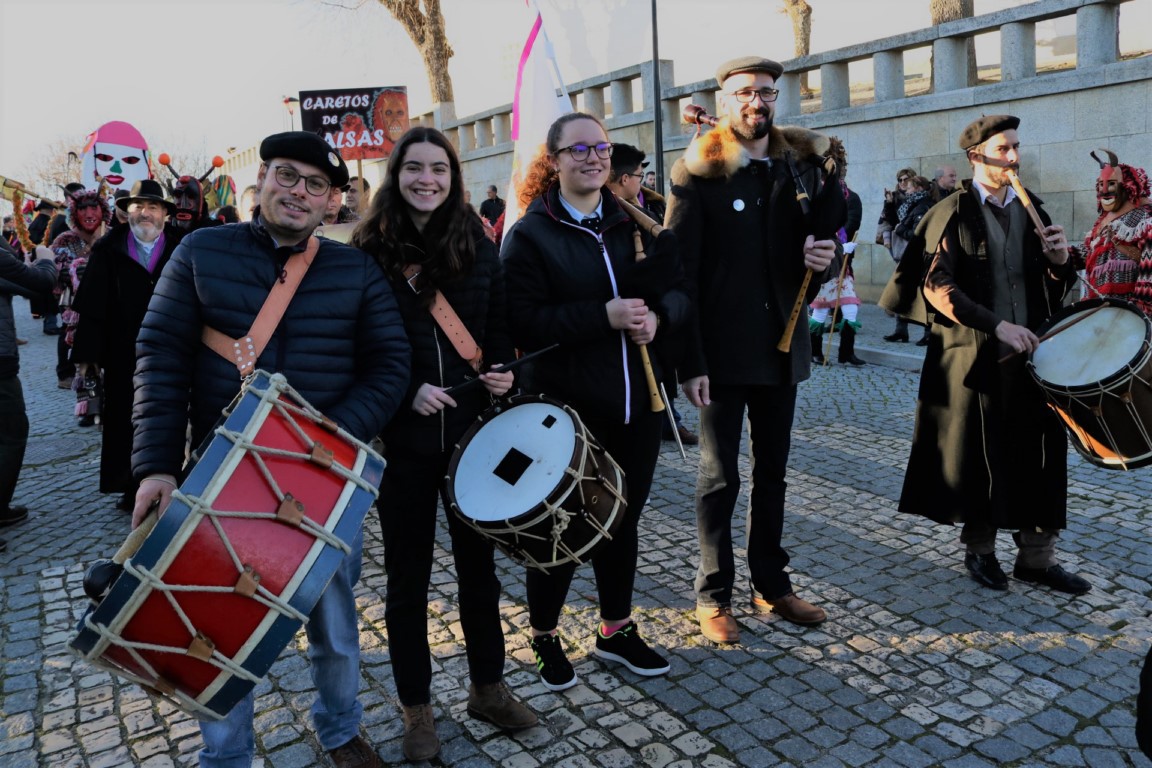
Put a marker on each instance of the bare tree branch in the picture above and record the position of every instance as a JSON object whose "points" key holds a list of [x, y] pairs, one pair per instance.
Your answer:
{"points": [[424, 23], [800, 13]]}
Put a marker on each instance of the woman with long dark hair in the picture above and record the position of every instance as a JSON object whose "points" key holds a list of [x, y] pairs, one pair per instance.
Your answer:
{"points": [[574, 279], [433, 249]]}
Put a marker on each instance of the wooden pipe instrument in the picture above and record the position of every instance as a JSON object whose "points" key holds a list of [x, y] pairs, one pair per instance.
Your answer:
{"points": [[1022, 193], [643, 220]]}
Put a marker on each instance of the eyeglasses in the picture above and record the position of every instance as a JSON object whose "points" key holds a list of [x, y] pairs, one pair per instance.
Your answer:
{"points": [[580, 152], [746, 95], [635, 175], [902, 179], [288, 177]]}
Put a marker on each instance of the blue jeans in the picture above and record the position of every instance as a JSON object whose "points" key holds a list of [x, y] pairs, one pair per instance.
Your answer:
{"points": [[334, 650], [770, 412]]}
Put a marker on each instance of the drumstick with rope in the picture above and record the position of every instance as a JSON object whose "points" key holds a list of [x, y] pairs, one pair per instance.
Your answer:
{"points": [[102, 574], [1059, 329], [655, 401]]}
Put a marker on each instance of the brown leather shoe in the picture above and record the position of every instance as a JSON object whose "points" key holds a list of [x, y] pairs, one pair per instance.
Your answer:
{"points": [[791, 608], [687, 437], [494, 704], [357, 753], [420, 740], [717, 624]]}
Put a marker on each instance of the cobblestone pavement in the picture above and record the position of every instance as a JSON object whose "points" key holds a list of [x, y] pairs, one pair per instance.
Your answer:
{"points": [[916, 665]]}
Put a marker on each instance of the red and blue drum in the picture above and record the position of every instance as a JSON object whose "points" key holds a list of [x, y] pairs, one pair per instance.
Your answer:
{"points": [[529, 476], [239, 559]]}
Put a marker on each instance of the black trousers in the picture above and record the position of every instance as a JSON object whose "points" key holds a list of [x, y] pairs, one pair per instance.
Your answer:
{"points": [[407, 508], [770, 412], [13, 436], [635, 448]]}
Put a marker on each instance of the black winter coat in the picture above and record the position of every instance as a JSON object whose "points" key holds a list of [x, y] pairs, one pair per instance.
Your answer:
{"points": [[742, 236], [986, 447], [560, 276], [112, 299], [340, 343], [478, 299]]}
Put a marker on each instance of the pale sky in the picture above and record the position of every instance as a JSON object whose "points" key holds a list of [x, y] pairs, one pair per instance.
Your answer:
{"points": [[200, 76]]}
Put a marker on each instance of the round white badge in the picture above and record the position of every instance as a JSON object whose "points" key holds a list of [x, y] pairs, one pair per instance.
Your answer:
{"points": [[332, 158], [738, 205]]}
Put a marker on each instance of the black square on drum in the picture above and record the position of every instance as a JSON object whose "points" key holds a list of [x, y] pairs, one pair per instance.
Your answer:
{"points": [[513, 466]]}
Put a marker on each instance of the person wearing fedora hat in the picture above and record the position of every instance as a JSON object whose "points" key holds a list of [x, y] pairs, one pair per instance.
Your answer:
{"points": [[110, 302], [341, 344], [987, 451]]}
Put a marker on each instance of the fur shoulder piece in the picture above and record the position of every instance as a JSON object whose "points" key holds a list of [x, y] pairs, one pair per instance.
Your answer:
{"points": [[718, 154]]}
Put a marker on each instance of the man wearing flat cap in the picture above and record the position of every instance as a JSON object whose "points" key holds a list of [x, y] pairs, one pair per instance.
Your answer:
{"points": [[746, 247], [113, 287], [340, 343], [987, 451]]}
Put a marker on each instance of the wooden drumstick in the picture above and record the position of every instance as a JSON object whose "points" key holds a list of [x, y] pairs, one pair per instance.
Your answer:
{"points": [[1027, 201], [135, 539]]}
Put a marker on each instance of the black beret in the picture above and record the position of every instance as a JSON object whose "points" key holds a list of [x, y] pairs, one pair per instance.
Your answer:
{"points": [[307, 148], [626, 157], [748, 64], [979, 131]]}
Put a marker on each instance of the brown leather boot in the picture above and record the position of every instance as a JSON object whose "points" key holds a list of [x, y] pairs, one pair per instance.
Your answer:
{"points": [[717, 624], [791, 608], [494, 704], [420, 740]]}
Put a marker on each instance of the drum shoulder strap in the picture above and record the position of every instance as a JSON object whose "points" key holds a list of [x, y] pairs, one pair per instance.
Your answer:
{"points": [[449, 322], [244, 352]]}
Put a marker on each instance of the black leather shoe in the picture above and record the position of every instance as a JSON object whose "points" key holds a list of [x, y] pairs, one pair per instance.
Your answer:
{"points": [[923, 341], [986, 570], [896, 337], [1053, 576]]}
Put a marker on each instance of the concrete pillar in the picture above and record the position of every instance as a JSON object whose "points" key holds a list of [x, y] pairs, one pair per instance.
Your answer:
{"points": [[888, 75], [949, 64], [620, 93], [594, 101], [501, 128], [467, 137], [788, 102], [1097, 35], [667, 79], [834, 90], [483, 129], [1018, 51], [670, 114]]}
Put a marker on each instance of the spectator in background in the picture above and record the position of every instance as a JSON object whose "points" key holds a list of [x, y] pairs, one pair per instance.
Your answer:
{"points": [[944, 182], [358, 194], [491, 208], [889, 218]]}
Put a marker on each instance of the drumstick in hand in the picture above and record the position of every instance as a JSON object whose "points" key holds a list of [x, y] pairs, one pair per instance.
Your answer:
{"points": [[1059, 329]]}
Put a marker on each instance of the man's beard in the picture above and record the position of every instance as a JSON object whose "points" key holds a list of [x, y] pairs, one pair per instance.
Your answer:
{"points": [[145, 231], [752, 132]]}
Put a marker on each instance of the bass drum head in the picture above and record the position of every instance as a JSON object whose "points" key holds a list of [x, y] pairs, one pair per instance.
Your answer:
{"points": [[1095, 349], [514, 462]]}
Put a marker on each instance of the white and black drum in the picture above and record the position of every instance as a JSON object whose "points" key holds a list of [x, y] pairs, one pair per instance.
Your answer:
{"points": [[529, 476], [1096, 370]]}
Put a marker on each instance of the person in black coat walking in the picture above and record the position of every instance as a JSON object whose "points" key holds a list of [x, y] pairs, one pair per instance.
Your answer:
{"points": [[122, 270], [432, 248]]}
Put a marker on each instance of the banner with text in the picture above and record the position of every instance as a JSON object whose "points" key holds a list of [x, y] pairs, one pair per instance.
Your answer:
{"points": [[359, 123]]}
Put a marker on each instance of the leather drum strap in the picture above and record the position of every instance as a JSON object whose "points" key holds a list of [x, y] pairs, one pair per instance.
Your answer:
{"points": [[449, 322], [244, 352]]}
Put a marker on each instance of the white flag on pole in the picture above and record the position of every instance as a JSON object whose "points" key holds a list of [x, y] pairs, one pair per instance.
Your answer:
{"points": [[539, 99]]}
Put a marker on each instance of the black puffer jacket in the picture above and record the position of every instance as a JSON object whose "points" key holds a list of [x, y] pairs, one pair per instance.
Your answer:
{"points": [[341, 342], [558, 286], [478, 299]]}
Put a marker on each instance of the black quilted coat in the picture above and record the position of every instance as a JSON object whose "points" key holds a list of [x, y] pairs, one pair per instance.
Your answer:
{"points": [[341, 342]]}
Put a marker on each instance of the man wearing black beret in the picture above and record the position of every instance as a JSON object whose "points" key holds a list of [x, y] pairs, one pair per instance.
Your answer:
{"points": [[340, 343], [746, 248], [987, 451]]}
